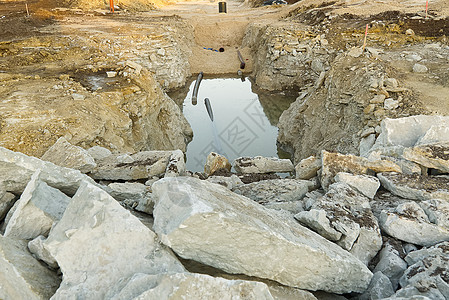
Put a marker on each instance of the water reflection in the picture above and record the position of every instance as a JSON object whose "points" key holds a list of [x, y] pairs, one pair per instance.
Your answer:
{"points": [[240, 126]]}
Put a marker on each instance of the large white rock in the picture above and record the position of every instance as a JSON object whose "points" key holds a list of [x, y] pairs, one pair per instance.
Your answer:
{"points": [[435, 156], [64, 154], [261, 164], [133, 195], [207, 223], [407, 131], [17, 168], [191, 286], [140, 165], [21, 275], [274, 190], [415, 187], [364, 184], [98, 244], [411, 230], [38, 208], [436, 134]]}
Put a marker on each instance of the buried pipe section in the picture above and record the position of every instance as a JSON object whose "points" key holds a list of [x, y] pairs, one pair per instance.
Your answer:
{"points": [[209, 109], [195, 89], [242, 61]]}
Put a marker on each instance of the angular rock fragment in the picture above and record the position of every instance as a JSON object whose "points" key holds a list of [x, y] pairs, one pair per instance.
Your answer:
{"points": [[36, 247], [16, 170], [207, 223], [364, 184], [435, 134], [216, 162], [435, 156], [176, 165], [64, 154], [132, 167], [190, 286], [230, 182], [318, 222], [21, 275], [379, 288], [98, 244], [261, 164], [391, 264], [133, 195], [334, 163], [38, 208], [307, 168], [6, 202], [98, 152], [274, 190], [415, 186]]}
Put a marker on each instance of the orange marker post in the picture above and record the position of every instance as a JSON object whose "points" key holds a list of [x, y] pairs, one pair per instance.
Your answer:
{"points": [[111, 5], [364, 41], [427, 5]]}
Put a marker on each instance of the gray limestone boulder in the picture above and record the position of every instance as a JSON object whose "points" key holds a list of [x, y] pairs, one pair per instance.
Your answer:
{"points": [[259, 164], [190, 286], [380, 287], [416, 187], [36, 247], [140, 165], [435, 156], [350, 214], [364, 184], [407, 131], [317, 221], [208, 223], [64, 154], [391, 264], [334, 163], [438, 133], [16, 170], [231, 182], [133, 195], [274, 190], [38, 208], [98, 245], [21, 275], [98, 152]]}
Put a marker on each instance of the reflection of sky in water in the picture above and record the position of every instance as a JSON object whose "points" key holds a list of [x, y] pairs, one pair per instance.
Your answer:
{"points": [[240, 127]]}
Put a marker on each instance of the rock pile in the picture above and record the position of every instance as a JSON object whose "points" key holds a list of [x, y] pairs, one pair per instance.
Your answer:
{"points": [[132, 226]]}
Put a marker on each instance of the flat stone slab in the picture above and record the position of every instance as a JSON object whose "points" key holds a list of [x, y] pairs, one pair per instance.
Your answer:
{"points": [[259, 164], [208, 223], [435, 156]]}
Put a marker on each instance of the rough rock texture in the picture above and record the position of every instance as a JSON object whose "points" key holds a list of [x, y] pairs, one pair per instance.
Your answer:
{"points": [[36, 247], [350, 214], [416, 187], [216, 162], [379, 288], [21, 275], [6, 202], [407, 131], [176, 165], [38, 208], [317, 221], [64, 154], [333, 163], [191, 286], [207, 223], [133, 195], [17, 169], [98, 244], [131, 167], [231, 182], [364, 184], [409, 223], [435, 156], [259, 164], [274, 190], [307, 168], [391, 264]]}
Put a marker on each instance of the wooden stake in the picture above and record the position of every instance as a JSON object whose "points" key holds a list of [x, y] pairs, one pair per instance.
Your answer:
{"points": [[427, 5], [364, 41], [28, 13]]}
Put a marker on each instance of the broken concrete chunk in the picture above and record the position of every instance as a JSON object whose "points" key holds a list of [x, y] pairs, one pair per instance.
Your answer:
{"points": [[307, 168], [140, 165], [98, 244], [435, 156], [38, 208], [216, 162], [16, 170], [364, 184], [261, 164], [191, 286], [208, 223], [64, 154], [274, 190], [22, 276], [415, 186]]}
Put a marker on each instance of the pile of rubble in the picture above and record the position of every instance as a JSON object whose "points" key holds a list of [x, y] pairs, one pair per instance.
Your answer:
{"points": [[368, 227]]}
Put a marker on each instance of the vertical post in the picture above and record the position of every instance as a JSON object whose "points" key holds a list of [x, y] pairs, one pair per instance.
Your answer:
{"points": [[427, 5], [364, 41], [111, 6], [28, 13]]}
